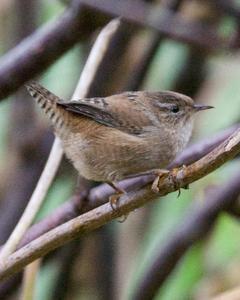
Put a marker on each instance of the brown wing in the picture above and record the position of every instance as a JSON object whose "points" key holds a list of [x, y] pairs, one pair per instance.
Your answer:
{"points": [[125, 111]]}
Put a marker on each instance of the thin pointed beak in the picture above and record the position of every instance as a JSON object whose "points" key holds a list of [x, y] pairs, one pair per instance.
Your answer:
{"points": [[199, 107]]}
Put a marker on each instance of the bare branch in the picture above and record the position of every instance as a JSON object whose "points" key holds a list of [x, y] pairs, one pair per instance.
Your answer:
{"points": [[198, 150], [232, 294], [103, 214], [56, 154], [35, 53], [99, 195], [162, 20], [197, 223], [29, 280], [36, 200], [229, 7]]}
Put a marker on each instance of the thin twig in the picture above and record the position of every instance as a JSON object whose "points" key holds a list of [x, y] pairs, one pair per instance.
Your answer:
{"points": [[29, 280], [56, 154], [129, 202], [35, 201], [233, 294]]}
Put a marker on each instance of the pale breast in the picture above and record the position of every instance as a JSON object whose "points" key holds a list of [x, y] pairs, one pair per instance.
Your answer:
{"points": [[113, 155], [102, 153]]}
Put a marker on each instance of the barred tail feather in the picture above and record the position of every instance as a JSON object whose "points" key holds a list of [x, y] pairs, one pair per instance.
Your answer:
{"points": [[48, 103]]}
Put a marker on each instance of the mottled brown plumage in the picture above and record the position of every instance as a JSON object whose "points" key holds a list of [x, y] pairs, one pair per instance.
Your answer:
{"points": [[108, 139]]}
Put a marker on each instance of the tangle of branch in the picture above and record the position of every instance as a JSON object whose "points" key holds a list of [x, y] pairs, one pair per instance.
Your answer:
{"points": [[103, 214]]}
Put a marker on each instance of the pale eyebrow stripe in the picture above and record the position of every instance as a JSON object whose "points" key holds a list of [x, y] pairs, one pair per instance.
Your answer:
{"points": [[164, 105]]}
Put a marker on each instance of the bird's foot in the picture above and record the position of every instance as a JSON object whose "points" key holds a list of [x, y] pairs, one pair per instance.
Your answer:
{"points": [[174, 174], [123, 218], [113, 199], [160, 175]]}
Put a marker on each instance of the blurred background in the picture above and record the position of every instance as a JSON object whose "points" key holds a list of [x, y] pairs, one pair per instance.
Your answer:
{"points": [[197, 53]]}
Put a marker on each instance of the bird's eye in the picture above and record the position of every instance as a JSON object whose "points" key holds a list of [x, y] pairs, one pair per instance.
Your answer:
{"points": [[175, 109]]}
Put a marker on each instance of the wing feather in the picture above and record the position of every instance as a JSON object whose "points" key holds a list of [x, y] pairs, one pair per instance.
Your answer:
{"points": [[124, 112], [96, 113]]}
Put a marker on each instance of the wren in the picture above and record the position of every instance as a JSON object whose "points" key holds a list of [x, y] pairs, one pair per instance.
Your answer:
{"points": [[111, 138]]}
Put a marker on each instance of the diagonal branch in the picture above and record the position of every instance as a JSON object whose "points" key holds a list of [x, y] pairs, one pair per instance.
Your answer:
{"points": [[99, 195], [229, 7], [55, 157], [195, 226], [103, 214], [37, 52], [162, 20]]}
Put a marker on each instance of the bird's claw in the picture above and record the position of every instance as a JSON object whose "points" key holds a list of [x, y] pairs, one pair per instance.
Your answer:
{"points": [[123, 219], [161, 174], [113, 199]]}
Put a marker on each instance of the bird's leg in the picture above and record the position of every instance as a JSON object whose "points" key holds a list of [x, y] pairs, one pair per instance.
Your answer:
{"points": [[113, 199]]}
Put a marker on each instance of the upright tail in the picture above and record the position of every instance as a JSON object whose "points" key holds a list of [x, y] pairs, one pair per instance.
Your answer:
{"points": [[48, 103]]}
